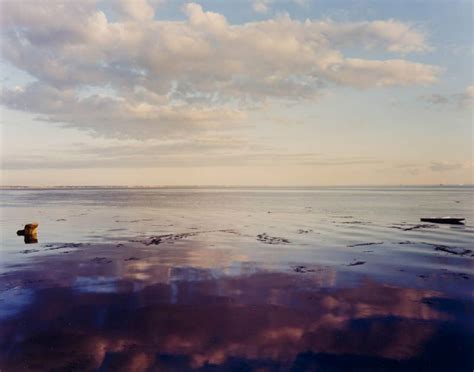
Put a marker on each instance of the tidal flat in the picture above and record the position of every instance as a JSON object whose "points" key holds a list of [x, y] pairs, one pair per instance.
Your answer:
{"points": [[330, 279]]}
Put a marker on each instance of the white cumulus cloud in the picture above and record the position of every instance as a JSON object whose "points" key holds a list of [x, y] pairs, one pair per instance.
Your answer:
{"points": [[197, 74]]}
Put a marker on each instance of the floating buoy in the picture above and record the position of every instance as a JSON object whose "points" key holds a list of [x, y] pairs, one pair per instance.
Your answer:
{"points": [[30, 232]]}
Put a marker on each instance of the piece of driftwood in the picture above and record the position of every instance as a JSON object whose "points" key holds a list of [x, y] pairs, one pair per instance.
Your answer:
{"points": [[447, 220]]}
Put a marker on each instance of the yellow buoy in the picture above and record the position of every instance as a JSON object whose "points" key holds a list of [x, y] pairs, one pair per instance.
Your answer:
{"points": [[30, 232]]}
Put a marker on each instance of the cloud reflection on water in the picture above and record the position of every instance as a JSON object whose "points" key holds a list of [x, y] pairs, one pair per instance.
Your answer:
{"points": [[184, 317]]}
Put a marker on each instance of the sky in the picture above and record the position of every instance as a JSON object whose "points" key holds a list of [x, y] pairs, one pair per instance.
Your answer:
{"points": [[238, 92]]}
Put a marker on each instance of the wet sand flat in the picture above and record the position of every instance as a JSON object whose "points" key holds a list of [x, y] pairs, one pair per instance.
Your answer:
{"points": [[229, 286]]}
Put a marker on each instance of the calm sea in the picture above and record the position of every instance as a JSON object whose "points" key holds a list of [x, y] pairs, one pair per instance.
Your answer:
{"points": [[272, 278], [311, 218]]}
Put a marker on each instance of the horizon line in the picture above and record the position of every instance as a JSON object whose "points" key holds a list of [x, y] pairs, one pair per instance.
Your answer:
{"points": [[6, 187]]}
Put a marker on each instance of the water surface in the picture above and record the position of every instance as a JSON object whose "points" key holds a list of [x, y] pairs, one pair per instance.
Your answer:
{"points": [[271, 279]]}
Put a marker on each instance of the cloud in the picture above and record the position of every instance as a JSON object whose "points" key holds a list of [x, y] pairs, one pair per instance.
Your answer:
{"points": [[196, 74], [301, 2], [409, 168], [133, 10], [445, 166], [464, 100], [365, 74], [414, 171], [435, 99], [261, 6], [391, 35], [204, 151], [137, 116]]}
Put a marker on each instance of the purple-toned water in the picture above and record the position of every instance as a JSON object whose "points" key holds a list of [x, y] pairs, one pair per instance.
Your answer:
{"points": [[237, 278]]}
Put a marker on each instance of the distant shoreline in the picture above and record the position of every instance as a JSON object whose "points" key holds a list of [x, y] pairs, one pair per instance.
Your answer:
{"points": [[216, 187]]}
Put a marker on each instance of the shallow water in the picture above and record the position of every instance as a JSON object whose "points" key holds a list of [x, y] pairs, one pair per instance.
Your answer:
{"points": [[304, 278]]}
